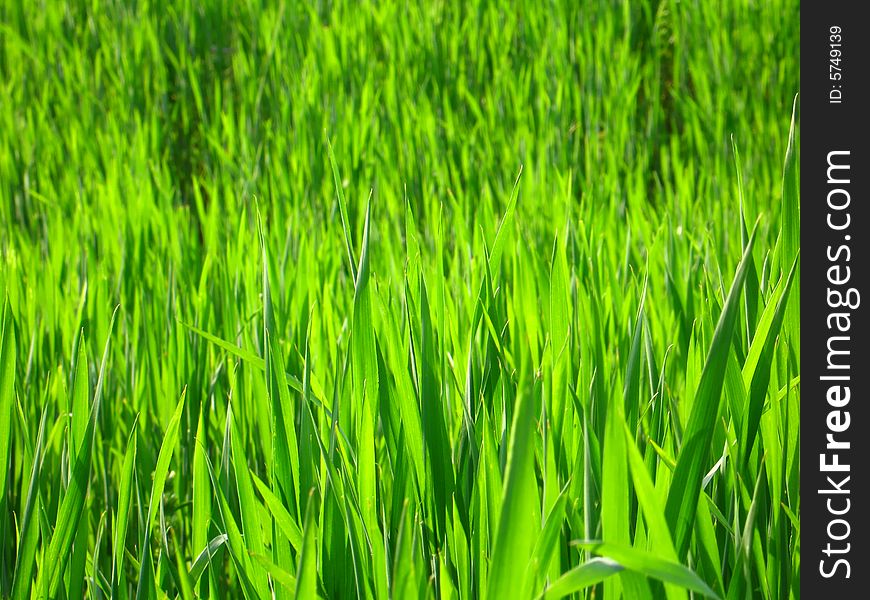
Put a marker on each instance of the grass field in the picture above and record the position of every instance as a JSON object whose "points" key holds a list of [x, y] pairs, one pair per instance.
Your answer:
{"points": [[458, 300]]}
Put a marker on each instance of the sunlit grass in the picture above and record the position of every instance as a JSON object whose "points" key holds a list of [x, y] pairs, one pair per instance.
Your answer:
{"points": [[443, 301]]}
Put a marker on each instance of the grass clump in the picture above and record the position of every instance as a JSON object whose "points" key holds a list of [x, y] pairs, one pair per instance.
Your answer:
{"points": [[445, 301]]}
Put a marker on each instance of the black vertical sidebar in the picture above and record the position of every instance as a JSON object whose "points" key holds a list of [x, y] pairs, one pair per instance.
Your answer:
{"points": [[835, 299]]}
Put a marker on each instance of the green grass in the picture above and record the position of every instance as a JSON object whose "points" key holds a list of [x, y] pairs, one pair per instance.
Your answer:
{"points": [[445, 301]]}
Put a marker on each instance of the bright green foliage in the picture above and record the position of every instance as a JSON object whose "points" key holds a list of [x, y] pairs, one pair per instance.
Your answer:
{"points": [[451, 300]]}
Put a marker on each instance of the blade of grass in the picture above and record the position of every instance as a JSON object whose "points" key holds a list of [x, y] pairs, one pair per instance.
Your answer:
{"points": [[282, 518], [515, 535], [651, 565], [342, 207], [584, 576], [125, 498], [306, 584], [691, 465], [756, 369], [7, 394], [145, 586], [29, 536], [73, 502], [203, 559]]}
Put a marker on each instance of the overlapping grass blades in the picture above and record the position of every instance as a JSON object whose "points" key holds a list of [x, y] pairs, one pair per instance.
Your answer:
{"points": [[448, 300]]}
